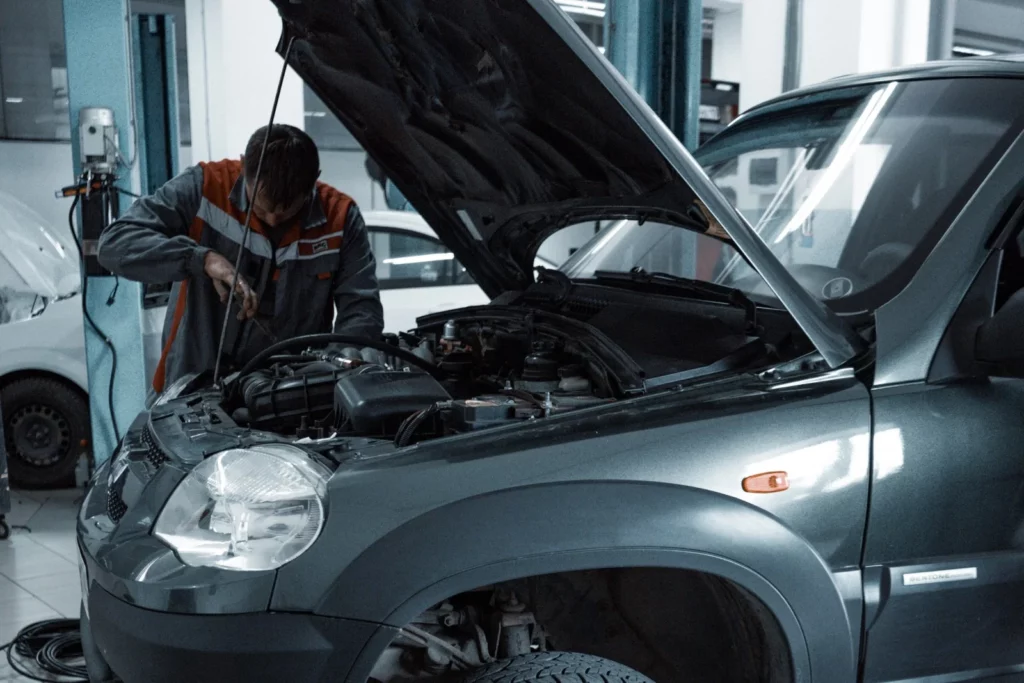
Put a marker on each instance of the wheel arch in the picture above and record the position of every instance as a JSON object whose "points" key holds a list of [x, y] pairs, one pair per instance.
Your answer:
{"points": [[36, 373], [544, 529]]}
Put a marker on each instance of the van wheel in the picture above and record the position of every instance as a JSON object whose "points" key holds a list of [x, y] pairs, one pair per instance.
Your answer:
{"points": [[46, 428], [556, 667]]}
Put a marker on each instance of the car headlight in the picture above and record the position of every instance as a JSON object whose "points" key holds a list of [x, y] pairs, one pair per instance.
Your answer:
{"points": [[246, 509]]}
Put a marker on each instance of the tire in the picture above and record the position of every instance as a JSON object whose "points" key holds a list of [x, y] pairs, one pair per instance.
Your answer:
{"points": [[556, 667], [46, 427]]}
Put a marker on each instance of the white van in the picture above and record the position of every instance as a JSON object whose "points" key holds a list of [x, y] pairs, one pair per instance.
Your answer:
{"points": [[43, 377]]}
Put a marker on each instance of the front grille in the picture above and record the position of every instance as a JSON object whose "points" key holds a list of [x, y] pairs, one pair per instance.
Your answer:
{"points": [[115, 506], [154, 454], [145, 447]]}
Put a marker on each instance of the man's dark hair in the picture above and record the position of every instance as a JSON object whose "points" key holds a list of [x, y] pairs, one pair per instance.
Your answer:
{"points": [[290, 166]]}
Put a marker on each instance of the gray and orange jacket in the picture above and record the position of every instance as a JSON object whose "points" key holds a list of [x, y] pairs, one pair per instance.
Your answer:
{"points": [[322, 264]]}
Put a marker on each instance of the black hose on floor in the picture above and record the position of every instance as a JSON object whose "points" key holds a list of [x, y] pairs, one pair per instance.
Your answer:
{"points": [[54, 647]]}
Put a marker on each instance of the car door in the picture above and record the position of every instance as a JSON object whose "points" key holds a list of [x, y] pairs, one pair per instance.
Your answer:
{"points": [[418, 275], [944, 551]]}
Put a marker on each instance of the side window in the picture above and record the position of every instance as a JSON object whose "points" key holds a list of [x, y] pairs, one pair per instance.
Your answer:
{"points": [[406, 260]]}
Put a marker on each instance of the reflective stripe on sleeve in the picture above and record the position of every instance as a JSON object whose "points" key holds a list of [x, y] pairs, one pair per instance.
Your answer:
{"points": [[225, 225]]}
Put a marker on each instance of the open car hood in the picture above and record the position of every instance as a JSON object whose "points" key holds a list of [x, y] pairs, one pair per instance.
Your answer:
{"points": [[501, 124], [484, 118], [33, 260]]}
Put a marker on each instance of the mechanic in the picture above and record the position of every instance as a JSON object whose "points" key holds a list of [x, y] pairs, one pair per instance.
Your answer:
{"points": [[307, 255]]}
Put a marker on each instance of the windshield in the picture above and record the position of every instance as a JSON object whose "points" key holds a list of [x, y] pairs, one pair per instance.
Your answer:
{"points": [[850, 189], [35, 265]]}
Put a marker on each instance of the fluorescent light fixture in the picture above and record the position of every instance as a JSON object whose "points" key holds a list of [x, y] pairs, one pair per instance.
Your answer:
{"points": [[15, 100], [316, 114], [589, 8], [422, 258], [973, 51], [842, 159]]}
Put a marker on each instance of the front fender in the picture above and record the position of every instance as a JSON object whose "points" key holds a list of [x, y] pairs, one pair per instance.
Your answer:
{"points": [[547, 528], [53, 343]]}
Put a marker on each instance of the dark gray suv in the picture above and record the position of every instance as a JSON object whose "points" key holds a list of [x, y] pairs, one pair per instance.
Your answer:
{"points": [[767, 425]]}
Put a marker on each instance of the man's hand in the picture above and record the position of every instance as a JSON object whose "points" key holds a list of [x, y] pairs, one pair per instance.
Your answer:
{"points": [[220, 270]]}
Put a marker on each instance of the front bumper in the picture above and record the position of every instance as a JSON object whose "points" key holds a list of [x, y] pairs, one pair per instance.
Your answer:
{"points": [[141, 645], [149, 618]]}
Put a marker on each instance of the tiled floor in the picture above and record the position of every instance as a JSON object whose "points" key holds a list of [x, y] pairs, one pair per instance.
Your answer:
{"points": [[38, 569]]}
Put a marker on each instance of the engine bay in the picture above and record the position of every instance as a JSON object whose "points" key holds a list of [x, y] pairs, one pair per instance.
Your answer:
{"points": [[500, 364], [466, 376]]}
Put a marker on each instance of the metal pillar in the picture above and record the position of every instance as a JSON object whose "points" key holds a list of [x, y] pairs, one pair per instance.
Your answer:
{"points": [[682, 35], [793, 50], [154, 56], [156, 94], [633, 44], [940, 29], [96, 38], [656, 46]]}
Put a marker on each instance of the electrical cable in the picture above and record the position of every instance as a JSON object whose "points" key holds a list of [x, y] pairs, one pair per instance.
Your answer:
{"points": [[412, 423], [247, 228], [54, 646], [92, 323]]}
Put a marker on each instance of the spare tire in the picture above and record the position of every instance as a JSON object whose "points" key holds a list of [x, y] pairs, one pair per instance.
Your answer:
{"points": [[556, 667], [46, 429]]}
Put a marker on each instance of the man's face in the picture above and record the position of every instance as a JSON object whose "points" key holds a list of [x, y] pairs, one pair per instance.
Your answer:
{"points": [[270, 214]]}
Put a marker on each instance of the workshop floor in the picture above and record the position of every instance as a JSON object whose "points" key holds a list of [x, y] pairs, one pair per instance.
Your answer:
{"points": [[38, 568]]}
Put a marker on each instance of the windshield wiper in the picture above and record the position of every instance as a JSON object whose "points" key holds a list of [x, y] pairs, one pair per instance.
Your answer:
{"points": [[707, 290]]}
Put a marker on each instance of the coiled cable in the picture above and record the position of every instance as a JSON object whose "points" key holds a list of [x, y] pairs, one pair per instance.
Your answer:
{"points": [[54, 646]]}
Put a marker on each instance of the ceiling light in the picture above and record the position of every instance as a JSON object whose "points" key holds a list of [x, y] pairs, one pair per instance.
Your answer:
{"points": [[15, 100]]}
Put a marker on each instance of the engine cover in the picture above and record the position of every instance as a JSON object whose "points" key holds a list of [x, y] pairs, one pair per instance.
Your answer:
{"points": [[376, 400]]}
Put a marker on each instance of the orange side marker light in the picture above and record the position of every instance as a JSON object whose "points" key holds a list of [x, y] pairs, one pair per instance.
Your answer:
{"points": [[767, 482]]}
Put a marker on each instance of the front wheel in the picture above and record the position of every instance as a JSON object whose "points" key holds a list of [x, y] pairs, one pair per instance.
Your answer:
{"points": [[556, 667], [46, 427]]}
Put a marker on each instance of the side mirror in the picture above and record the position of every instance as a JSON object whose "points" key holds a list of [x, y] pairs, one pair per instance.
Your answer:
{"points": [[1000, 340]]}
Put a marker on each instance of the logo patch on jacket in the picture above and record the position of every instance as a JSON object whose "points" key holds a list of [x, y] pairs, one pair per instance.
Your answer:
{"points": [[320, 246]]}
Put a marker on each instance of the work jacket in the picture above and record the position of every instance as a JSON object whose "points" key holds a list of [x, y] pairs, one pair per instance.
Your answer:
{"points": [[319, 265]]}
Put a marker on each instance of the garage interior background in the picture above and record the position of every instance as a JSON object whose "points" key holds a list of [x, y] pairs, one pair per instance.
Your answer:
{"points": [[227, 70], [743, 45]]}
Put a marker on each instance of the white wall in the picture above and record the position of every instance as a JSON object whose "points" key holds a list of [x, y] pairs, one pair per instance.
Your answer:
{"points": [[762, 50], [831, 39], [233, 72], [727, 46], [862, 35]]}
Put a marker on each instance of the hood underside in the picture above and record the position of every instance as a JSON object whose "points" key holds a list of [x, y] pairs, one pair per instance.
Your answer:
{"points": [[490, 116]]}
